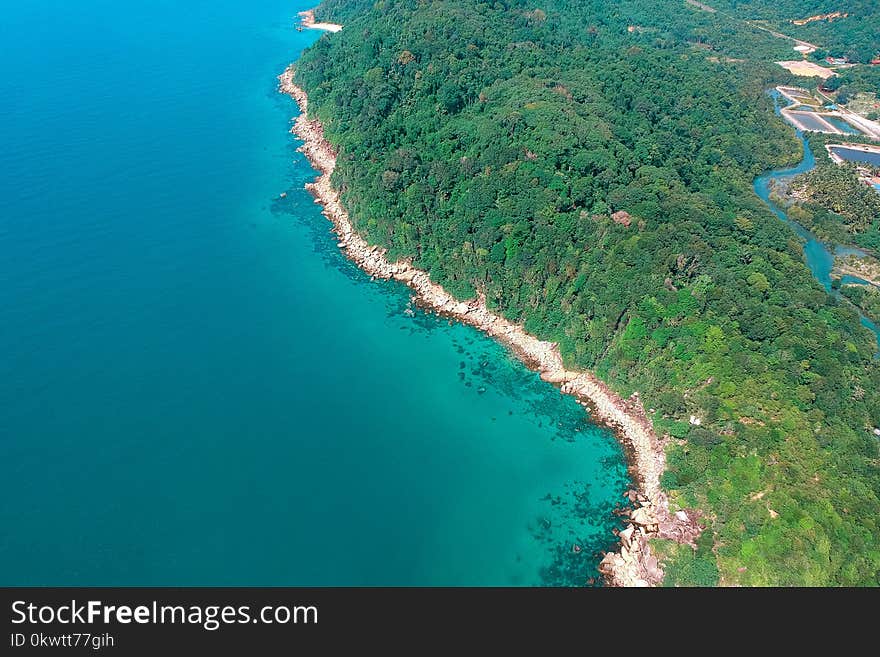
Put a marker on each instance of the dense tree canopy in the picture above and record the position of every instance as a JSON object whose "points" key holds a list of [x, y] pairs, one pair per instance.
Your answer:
{"points": [[843, 29], [833, 201], [846, 200], [490, 142], [866, 297]]}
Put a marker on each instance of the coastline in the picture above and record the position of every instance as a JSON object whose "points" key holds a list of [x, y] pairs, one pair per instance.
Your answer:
{"points": [[307, 21], [633, 564]]}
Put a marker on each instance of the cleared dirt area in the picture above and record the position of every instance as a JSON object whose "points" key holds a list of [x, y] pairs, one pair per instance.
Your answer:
{"points": [[807, 69], [701, 6], [820, 17], [798, 95]]}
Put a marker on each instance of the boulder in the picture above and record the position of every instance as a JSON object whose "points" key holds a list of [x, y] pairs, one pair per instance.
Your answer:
{"points": [[553, 376], [652, 567], [643, 517]]}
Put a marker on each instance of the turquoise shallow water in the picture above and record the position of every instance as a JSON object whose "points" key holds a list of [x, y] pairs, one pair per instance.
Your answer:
{"points": [[195, 386]]}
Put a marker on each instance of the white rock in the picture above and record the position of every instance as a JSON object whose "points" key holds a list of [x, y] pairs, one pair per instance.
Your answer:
{"points": [[643, 516]]}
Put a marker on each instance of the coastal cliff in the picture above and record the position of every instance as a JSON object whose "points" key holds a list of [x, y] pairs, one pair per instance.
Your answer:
{"points": [[633, 564]]}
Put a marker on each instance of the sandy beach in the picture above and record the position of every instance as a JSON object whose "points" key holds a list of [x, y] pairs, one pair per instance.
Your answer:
{"points": [[307, 20], [633, 564]]}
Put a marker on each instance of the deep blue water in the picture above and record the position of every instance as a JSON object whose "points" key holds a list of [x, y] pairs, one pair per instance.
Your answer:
{"points": [[818, 255], [195, 386]]}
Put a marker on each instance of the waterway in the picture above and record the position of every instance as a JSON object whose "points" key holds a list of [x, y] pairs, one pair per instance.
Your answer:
{"points": [[818, 255]]}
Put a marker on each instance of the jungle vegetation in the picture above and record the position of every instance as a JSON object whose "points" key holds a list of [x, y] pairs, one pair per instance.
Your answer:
{"points": [[866, 297], [852, 34], [491, 143], [835, 204]]}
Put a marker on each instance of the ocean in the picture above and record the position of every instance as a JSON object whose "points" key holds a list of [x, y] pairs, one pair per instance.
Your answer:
{"points": [[196, 387]]}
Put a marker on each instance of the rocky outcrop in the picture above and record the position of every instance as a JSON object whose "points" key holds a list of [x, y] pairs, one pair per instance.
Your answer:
{"points": [[307, 21], [622, 217], [633, 565]]}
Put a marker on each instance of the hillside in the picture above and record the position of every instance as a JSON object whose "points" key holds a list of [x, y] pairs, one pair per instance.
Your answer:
{"points": [[495, 144], [847, 29]]}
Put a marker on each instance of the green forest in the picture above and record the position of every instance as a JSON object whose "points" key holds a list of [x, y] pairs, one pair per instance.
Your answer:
{"points": [[836, 205], [855, 36], [491, 143], [848, 82], [866, 297]]}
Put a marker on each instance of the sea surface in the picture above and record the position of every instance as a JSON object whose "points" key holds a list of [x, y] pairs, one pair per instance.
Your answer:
{"points": [[196, 388]]}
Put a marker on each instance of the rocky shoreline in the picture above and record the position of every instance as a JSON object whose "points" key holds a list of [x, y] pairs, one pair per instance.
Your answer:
{"points": [[633, 564], [307, 21]]}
